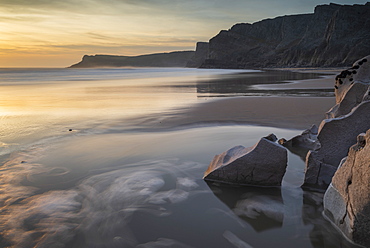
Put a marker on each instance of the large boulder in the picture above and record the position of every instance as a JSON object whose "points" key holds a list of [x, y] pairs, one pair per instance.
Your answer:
{"points": [[347, 200], [336, 136], [348, 118], [261, 165]]}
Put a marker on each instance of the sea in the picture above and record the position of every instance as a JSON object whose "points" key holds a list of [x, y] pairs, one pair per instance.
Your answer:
{"points": [[81, 166]]}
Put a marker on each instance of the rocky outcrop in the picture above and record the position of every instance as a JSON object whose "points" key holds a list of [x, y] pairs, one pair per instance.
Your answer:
{"points": [[201, 52], [348, 118], [301, 144], [173, 59], [334, 35], [261, 165], [306, 140], [347, 200]]}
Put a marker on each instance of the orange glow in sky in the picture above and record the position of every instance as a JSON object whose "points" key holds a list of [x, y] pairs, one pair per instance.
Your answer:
{"points": [[38, 33]]}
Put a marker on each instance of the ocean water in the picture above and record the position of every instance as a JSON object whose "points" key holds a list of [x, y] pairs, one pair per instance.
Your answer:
{"points": [[77, 169]]}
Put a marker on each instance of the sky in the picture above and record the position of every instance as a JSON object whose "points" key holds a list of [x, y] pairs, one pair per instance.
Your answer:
{"points": [[57, 33]]}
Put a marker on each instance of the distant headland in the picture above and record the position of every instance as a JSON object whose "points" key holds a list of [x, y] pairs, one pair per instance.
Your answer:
{"points": [[333, 36]]}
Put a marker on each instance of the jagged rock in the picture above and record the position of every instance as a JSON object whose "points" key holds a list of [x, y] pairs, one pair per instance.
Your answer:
{"points": [[334, 35], [359, 72], [349, 117], [307, 140], [261, 165], [347, 200], [301, 144], [336, 136], [355, 94]]}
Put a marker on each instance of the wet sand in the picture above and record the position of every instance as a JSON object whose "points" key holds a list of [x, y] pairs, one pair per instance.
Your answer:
{"points": [[274, 111], [104, 185], [283, 112]]}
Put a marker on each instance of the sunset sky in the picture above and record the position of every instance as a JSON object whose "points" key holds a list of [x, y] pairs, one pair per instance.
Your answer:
{"points": [[57, 33]]}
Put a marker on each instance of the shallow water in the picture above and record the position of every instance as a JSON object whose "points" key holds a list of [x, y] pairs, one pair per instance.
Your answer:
{"points": [[107, 184]]}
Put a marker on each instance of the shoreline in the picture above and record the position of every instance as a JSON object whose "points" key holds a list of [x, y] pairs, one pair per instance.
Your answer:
{"points": [[290, 112], [270, 111]]}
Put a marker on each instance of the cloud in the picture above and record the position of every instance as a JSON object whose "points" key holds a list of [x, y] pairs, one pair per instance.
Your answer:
{"points": [[129, 26]]}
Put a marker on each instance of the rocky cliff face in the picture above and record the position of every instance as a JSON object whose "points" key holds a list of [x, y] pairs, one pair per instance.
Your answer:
{"points": [[334, 35], [201, 52], [173, 59]]}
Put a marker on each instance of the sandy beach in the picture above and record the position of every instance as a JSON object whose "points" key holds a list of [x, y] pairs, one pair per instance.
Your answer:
{"points": [[275, 111], [116, 158]]}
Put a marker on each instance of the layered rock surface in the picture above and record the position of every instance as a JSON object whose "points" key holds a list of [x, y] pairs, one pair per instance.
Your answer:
{"points": [[347, 200], [261, 165], [334, 35], [348, 118]]}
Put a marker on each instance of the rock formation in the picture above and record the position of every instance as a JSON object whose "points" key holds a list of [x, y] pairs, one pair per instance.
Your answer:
{"points": [[301, 144], [201, 52], [261, 165], [347, 200], [173, 59], [306, 140], [348, 118], [334, 35]]}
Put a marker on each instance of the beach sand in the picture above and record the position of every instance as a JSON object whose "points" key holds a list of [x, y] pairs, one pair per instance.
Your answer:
{"points": [[276, 111]]}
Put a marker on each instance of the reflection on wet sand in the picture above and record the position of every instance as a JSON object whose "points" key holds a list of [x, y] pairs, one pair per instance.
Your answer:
{"points": [[243, 84], [289, 211], [119, 180], [262, 208]]}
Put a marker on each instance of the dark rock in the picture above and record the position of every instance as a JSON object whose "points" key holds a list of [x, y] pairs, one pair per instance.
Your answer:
{"points": [[173, 59], [271, 137], [347, 200], [306, 140], [301, 144], [334, 35], [261, 165], [201, 54]]}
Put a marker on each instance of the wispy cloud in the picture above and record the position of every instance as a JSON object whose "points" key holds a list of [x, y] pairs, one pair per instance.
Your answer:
{"points": [[75, 27]]}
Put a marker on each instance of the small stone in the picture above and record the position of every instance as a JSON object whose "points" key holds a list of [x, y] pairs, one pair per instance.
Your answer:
{"points": [[361, 140], [272, 137]]}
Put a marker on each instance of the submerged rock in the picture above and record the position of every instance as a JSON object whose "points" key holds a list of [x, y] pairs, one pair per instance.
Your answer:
{"points": [[261, 165], [347, 200]]}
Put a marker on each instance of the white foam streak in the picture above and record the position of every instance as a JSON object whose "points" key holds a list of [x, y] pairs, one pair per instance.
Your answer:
{"points": [[99, 208]]}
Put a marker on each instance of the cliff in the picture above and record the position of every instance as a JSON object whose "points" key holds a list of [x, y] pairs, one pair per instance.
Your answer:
{"points": [[201, 53], [334, 35], [173, 59]]}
